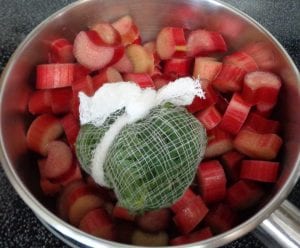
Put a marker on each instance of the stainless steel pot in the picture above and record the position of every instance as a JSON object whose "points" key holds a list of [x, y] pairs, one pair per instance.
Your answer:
{"points": [[276, 217]]}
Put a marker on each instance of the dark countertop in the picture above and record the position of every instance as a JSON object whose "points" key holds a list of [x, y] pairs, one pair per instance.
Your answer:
{"points": [[18, 225]]}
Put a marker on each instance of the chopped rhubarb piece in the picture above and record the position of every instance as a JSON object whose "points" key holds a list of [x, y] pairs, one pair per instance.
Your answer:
{"points": [[204, 42], [61, 100], [80, 202], [259, 170], [146, 239], [183, 202], [122, 213], [154, 221], [161, 80], [57, 101], [243, 195], [49, 188], [124, 64], [171, 42], [59, 159], [98, 223], [40, 102], [209, 117], [157, 72], [107, 33], [259, 124], [262, 53], [235, 114], [44, 129], [258, 146], [242, 60], [142, 79], [212, 181], [261, 88], [71, 127], [80, 72], [151, 48], [206, 68], [141, 60], [219, 142], [221, 104], [264, 109], [118, 54], [221, 218], [77, 175], [42, 163], [231, 164], [198, 103], [108, 75], [127, 29], [137, 41], [229, 79], [61, 51], [90, 53], [196, 236], [73, 174], [189, 217], [85, 85], [75, 107], [179, 67], [96, 38], [49, 76], [63, 199]]}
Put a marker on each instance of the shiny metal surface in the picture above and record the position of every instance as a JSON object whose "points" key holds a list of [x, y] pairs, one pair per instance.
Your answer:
{"points": [[282, 226], [239, 30]]}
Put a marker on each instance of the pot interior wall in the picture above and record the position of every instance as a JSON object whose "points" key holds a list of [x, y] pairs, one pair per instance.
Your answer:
{"points": [[150, 16]]}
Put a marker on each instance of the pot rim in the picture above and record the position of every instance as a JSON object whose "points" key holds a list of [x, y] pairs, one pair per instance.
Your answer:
{"points": [[66, 229]]}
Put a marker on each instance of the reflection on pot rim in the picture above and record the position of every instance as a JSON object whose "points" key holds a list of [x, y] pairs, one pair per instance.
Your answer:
{"points": [[68, 21]]}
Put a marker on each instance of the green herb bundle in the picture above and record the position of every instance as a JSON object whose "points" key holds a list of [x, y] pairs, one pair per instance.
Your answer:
{"points": [[151, 162]]}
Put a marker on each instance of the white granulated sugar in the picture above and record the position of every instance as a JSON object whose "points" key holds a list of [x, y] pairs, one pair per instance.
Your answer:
{"points": [[110, 98], [102, 149], [141, 105], [181, 92], [137, 103]]}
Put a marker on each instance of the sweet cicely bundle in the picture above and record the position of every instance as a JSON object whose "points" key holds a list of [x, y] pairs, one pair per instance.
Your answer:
{"points": [[150, 162]]}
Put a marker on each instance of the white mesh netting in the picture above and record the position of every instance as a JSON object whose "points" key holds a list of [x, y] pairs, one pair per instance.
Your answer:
{"points": [[88, 139]]}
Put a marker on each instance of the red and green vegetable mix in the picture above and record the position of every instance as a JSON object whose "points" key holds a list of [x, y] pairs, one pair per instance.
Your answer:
{"points": [[241, 157]]}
